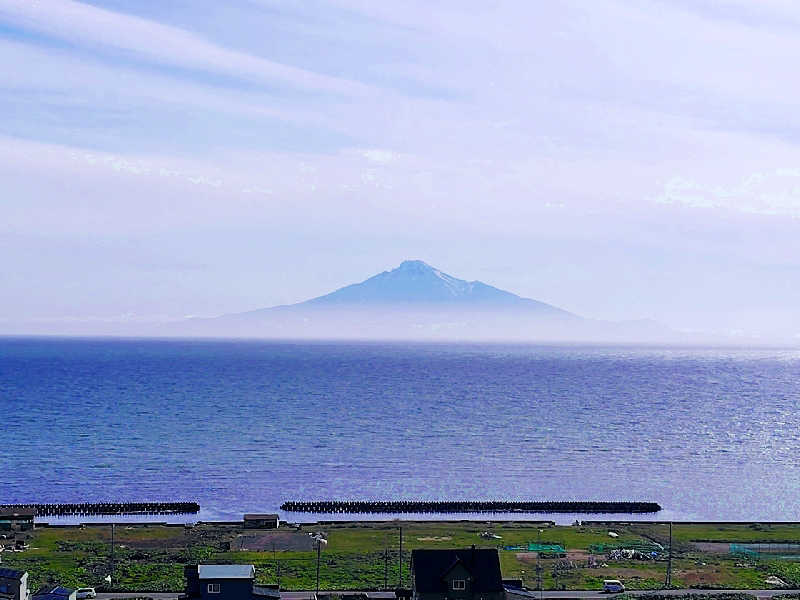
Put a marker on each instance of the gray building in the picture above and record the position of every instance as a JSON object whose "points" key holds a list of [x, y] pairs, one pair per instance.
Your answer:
{"points": [[225, 582], [13, 584], [468, 574], [261, 521], [17, 519]]}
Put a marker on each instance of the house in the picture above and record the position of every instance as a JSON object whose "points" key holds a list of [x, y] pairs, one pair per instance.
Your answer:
{"points": [[56, 592], [225, 582], [16, 519], [468, 574], [13, 584], [258, 521]]}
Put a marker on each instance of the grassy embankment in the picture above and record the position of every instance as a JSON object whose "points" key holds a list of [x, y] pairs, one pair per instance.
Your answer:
{"points": [[151, 558]]}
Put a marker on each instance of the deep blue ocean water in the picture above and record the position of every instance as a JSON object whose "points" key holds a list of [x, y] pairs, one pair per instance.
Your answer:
{"points": [[711, 434]]}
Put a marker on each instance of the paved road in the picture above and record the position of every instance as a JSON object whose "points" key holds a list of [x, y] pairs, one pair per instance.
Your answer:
{"points": [[553, 595], [153, 595], [596, 594], [759, 593]]}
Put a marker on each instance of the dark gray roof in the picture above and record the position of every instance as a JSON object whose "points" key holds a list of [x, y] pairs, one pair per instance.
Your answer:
{"points": [[11, 573], [257, 516], [430, 567]]}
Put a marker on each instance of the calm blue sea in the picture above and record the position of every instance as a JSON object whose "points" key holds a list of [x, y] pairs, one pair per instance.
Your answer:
{"points": [[711, 434]]}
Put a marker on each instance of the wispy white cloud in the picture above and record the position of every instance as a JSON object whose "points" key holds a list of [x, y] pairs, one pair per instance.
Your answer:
{"points": [[312, 144], [775, 192], [105, 30]]}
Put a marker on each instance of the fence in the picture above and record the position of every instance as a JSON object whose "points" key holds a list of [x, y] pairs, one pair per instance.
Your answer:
{"points": [[763, 550]]}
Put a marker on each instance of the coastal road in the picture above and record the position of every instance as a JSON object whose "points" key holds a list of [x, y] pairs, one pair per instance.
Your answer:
{"points": [[532, 595], [598, 595], [153, 595]]}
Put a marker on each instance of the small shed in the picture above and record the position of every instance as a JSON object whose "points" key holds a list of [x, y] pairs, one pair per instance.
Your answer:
{"points": [[261, 521], [16, 519], [13, 584]]}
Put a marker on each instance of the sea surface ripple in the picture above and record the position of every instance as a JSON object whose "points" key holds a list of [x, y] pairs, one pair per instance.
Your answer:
{"points": [[241, 426]]}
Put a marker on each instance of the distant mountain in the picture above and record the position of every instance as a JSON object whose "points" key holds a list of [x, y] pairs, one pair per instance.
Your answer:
{"points": [[418, 301], [416, 283]]}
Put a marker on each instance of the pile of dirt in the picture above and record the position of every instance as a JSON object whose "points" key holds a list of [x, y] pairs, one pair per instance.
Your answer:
{"points": [[264, 541]]}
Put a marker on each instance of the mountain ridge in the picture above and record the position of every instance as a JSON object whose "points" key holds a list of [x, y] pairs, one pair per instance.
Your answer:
{"points": [[416, 301], [416, 283]]}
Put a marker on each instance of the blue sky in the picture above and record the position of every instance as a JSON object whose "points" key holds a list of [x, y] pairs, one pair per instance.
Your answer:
{"points": [[618, 159]]}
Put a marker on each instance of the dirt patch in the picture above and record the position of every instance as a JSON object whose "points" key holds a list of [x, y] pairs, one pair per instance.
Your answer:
{"points": [[526, 556], [273, 540], [145, 538], [152, 543], [530, 557], [443, 538], [694, 578], [628, 573]]}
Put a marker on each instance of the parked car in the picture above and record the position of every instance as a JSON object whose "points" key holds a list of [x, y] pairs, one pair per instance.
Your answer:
{"points": [[613, 586], [82, 593]]}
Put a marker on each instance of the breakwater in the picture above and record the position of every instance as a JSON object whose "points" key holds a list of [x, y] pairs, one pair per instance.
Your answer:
{"points": [[426, 506], [107, 508]]}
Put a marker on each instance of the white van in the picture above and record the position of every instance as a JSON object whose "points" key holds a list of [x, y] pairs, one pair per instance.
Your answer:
{"points": [[613, 586]]}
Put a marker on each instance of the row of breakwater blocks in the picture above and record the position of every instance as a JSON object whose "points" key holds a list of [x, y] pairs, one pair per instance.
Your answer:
{"points": [[343, 507], [107, 508], [425, 506]]}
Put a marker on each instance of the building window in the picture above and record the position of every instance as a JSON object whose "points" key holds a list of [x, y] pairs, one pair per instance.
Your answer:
{"points": [[213, 588], [459, 584]]}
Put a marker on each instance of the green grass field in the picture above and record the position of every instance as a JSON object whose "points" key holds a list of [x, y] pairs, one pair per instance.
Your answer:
{"points": [[366, 555]]}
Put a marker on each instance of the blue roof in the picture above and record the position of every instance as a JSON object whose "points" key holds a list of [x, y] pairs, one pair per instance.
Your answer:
{"points": [[58, 591], [48, 597], [61, 591], [11, 573], [226, 571]]}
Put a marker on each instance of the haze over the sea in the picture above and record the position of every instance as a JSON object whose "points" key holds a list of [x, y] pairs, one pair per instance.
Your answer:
{"points": [[619, 160]]}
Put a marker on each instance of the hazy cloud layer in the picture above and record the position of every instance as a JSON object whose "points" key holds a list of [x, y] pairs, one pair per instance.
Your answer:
{"points": [[617, 159]]}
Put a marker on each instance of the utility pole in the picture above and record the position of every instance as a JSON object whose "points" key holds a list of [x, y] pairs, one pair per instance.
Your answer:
{"points": [[669, 559], [538, 564], [401, 557], [319, 550], [111, 583], [277, 566], [386, 564], [320, 540]]}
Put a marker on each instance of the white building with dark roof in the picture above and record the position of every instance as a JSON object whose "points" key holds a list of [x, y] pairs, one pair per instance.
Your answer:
{"points": [[225, 582], [13, 584]]}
